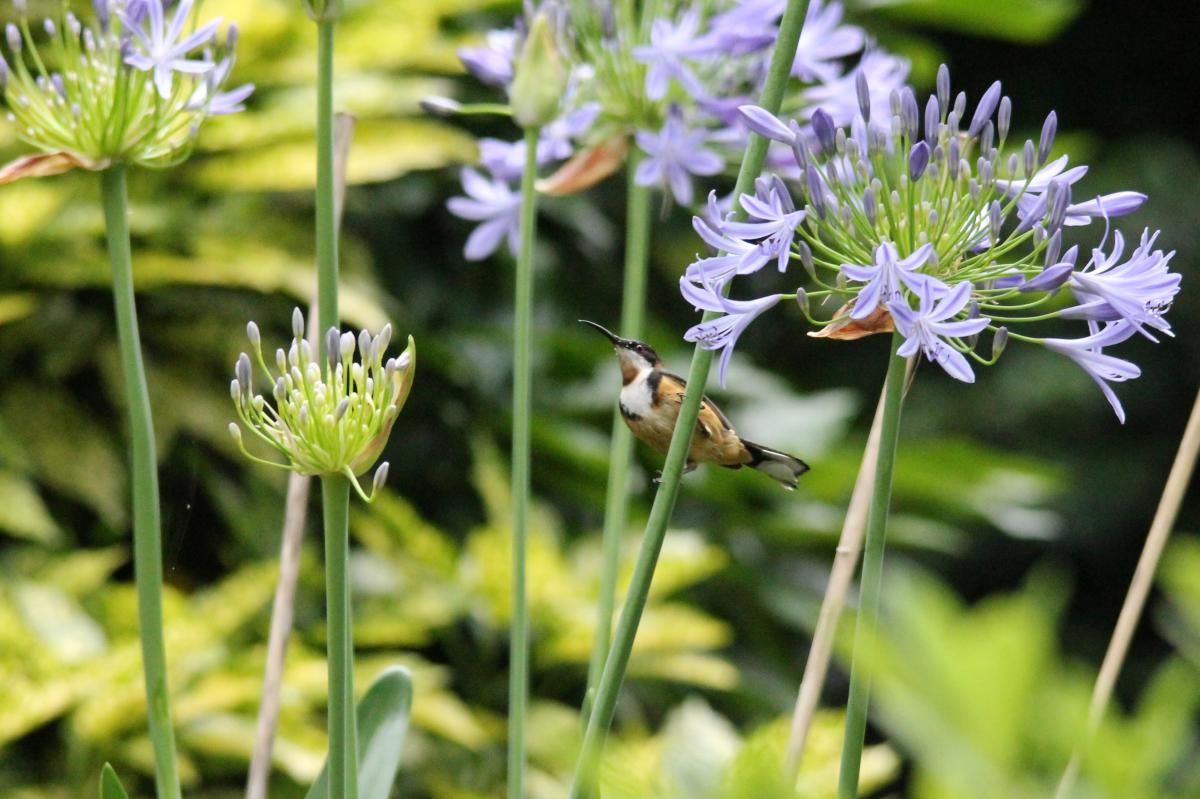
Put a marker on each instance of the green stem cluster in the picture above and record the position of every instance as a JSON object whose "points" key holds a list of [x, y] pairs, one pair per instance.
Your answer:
{"points": [[600, 719], [633, 315], [872, 576], [147, 522], [518, 688]]}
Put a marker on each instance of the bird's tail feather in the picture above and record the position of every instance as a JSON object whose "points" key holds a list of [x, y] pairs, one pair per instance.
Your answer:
{"points": [[773, 463]]}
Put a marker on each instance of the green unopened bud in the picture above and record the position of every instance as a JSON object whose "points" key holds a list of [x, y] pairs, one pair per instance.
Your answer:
{"points": [[539, 77], [323, 10]]}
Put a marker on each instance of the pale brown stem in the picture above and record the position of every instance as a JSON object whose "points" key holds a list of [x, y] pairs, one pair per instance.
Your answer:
{"points": [[841, 577], [294, 520], [1139, 588]]}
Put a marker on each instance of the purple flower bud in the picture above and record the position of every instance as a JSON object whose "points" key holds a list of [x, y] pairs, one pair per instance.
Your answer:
{"points": [[952, 158], [974, 189], [14, 38], [806, 258], [231, 36], [341, 409], [894, 102], [864, 95], [1051, 278], [1049, 128], [952, 122], [943, 86], [1028, 156], [869, 205], [933, 115], [918, 159], [280, 388], [816, 190], [381, 475], [986, 137], [1061, 191], [3, 73], [51, 28], [364, 342], [345, 346], [766, 124], [297, 324], [253, 334], [960, 105], [242, 372], [21, 7], [1053, 248], [235, 390], [332, 337], [802, 300], [101, 8], [999, 342], [823, 127], [985, 109], [1004, 117], [994, 221], [910, 113]]}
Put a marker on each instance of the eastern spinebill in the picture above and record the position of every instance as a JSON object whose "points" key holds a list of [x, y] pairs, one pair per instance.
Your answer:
{"points": [[650, 400]]}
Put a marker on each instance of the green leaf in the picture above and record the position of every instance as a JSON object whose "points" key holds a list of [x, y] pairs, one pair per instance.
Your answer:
{"points": [[22, 512], [382, 722], [1014, 20], [110, 785]]}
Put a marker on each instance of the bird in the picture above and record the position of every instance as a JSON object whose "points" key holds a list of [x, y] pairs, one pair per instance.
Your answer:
{"points": [[649, 402]]}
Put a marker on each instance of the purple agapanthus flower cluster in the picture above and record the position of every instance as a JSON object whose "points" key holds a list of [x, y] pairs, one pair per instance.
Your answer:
{"points": [[912, 220], [136, 84], [674, 94]]}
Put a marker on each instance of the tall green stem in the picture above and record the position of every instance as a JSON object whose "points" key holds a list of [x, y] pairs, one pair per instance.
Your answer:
{"points": [[147, 523], [664, 500], [633, 314], [335, 490], [327, 249], [335, 501], [872, 576], [518, 676]]}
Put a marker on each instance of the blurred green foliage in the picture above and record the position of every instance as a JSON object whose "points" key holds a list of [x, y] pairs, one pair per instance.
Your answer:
{"points": [[1024, 465]]}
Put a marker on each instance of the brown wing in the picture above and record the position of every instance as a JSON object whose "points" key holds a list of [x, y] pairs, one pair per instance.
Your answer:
{"points": [[711, 419]]}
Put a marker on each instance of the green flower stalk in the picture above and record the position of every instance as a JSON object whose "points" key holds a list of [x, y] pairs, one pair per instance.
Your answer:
{"points": [[129, 88], [331, 416]]}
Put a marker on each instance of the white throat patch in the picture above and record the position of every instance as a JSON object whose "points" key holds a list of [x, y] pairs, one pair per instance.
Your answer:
{"points": [[636, 397]]}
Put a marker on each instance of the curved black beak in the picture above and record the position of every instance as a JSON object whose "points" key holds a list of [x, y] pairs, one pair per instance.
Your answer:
{"points": [[613, 337]]}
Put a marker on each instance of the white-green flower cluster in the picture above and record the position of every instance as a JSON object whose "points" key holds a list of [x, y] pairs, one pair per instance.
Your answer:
{"points": [[332, 414], [131, 85]]}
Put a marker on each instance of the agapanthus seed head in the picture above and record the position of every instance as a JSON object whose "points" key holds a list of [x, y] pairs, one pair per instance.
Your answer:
{"points": [[135, 88], [331, 417]]}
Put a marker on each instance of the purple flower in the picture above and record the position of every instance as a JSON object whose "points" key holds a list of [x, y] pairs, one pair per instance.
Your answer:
{"points": [[555, 143], [775, 229], [824, 41], [496, 206], [722, 333], [162, 52], [1088, 353], [670, 47], [749, 26], [887, 276], [1032, 194], [220, 103], [1139, 291], [927, 328], [733, 255], [504, 159], [838, 96], [674, 155], [492, 62]]}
